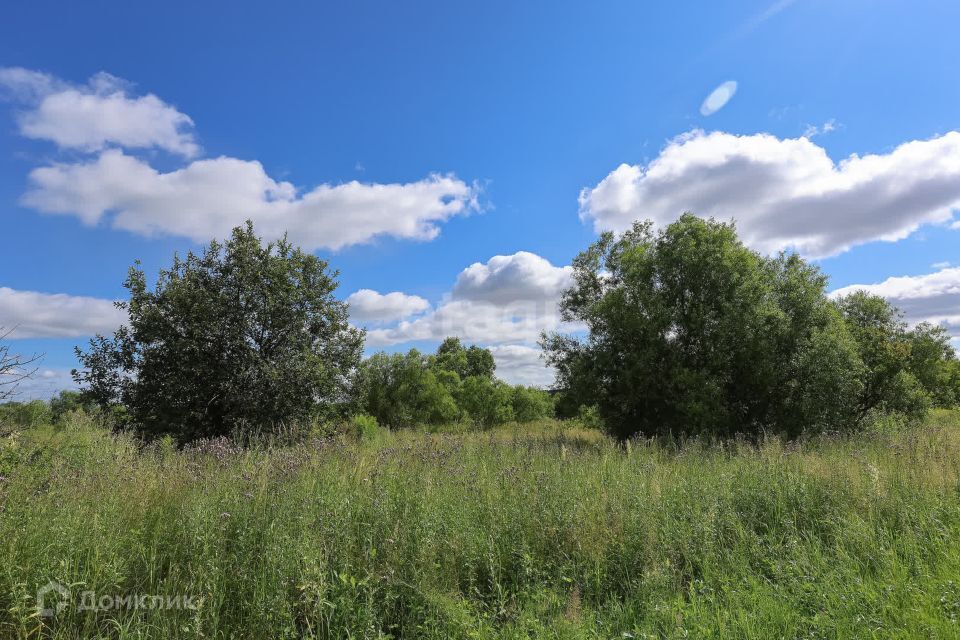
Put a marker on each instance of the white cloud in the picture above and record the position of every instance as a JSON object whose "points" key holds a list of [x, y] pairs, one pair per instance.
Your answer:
{"points": [[207, 198], [474, 322], [56, 315], [523, 276], [520, 364], [27, 86], [96, 115], [508, 299], [940, 265], [785, 193], [369, 307], [718, 98], [933, 297]]}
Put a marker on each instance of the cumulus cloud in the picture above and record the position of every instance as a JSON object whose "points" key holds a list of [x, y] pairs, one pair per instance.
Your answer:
{"points": [[208, 197], [718, 98], [521, 364], [785, 193], [522, 276], [96, 115], [933, 297], [27, 86], [369, 307], [473, 322], [30, 314], [508, 299]]}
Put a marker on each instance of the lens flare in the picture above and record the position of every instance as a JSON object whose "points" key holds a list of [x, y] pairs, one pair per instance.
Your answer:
{"points": [[718, 98]]}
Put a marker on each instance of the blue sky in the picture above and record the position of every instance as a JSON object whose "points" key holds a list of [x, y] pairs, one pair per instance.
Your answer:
{"points": [[412, 143]]}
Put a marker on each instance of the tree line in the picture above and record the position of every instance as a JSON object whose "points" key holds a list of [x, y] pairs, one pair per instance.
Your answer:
{"points": [[687, 332], [248, 335]]}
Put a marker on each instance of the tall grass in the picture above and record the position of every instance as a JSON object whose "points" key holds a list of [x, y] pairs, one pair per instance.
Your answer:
{"points": [[540, 532]]}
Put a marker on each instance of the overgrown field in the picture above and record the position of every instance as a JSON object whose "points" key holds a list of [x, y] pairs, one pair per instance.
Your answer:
{"points": [[544, 532]]}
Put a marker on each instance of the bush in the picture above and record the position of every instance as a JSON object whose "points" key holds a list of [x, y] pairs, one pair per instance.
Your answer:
{"points": [[242, 337], [401, 390], [364, 427], [530, 403], [487, 401], [66, 402], [589, 417], [24, 415], [455, 383], [692, 333], [933, 363]]}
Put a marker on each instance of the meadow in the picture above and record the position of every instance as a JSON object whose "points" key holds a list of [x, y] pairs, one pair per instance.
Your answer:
{"points": [[545, 530]]}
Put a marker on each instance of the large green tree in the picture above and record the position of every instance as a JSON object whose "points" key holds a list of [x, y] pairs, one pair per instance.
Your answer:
{"points": [[245, 335], [691, 332]]}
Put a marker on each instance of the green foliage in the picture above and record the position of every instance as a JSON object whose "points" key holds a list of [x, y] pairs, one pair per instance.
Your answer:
{"points": [[401, 390], [566, 404], [589, 417], [465, 362], [952, 382], [905, 371], [364, 427], [530, 403], [66, 402], [690, 332], [244, 336], [933, 363], [24, 415], [455, 383], [486, 401], [512, 533]]}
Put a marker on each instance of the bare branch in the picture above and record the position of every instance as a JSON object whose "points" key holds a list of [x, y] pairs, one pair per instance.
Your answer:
{"points": [[14, 367]]}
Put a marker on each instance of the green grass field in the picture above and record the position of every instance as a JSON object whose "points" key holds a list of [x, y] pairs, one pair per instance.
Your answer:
{"points": [[539, 532]]}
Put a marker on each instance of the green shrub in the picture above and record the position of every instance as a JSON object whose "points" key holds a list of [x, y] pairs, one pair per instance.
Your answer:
{"points": [[364, 427], [488, 402], [589, 417], [401, 390], [905, 370], [24, 415], [65, 402], [530, 403], [456, 383]]}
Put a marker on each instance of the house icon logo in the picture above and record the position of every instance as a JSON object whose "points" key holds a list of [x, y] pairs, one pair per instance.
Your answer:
{"points": [[52, 598]]}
